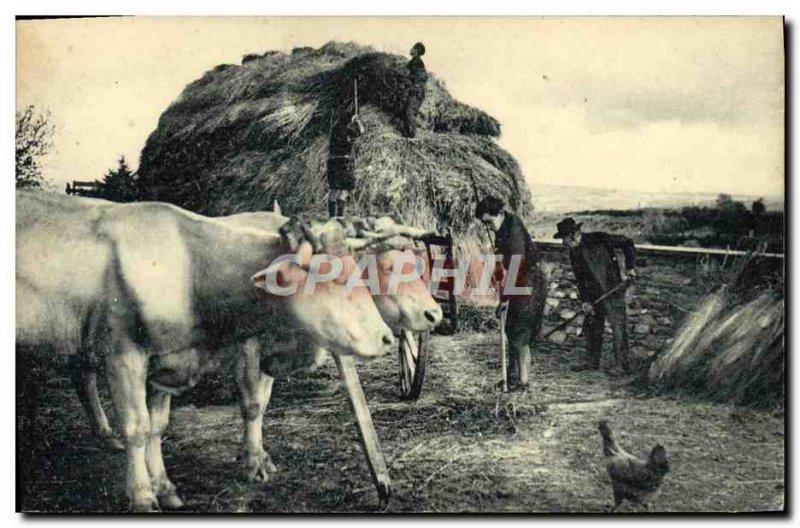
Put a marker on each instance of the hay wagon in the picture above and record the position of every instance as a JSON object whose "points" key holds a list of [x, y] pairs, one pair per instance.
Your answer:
{"points": [[411, 351]]}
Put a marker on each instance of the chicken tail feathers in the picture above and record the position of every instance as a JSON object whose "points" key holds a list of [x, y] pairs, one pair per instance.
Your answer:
{"points": [[610, 447], [658, 460]]}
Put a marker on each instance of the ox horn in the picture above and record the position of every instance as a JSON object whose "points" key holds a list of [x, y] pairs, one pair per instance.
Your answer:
{"points": [[411, 231], [355, 244]]}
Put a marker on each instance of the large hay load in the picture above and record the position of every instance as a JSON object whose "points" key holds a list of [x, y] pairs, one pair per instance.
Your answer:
{"points": [[243, 136]]}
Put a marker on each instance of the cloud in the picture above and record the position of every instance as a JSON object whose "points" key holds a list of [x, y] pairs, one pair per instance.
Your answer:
{"points": [[643, 109], [560, 148]]}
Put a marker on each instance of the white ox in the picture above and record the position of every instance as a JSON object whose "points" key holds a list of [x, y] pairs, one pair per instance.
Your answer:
{"points": [[154, 291], [408, 305]]}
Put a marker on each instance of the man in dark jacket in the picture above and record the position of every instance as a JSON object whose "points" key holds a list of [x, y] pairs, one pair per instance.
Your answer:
{"points": [[416, 91], [601, 262], [520, 260], [341, 163]]}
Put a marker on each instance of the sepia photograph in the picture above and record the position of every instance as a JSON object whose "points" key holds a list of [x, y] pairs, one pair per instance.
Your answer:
{"points": [[401, 265]]}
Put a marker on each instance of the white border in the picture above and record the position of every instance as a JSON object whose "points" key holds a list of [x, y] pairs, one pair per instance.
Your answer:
{"points": [[334, 7]]}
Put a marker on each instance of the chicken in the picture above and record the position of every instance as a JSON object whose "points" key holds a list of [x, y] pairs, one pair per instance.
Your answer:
{"points": [[631, 477]]}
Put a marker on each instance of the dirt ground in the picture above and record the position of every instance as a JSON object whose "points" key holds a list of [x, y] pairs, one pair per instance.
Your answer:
{"points": [[460, 448]]}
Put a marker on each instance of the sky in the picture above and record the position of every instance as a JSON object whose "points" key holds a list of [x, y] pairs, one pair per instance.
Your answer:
{"points": [[647, 104]]}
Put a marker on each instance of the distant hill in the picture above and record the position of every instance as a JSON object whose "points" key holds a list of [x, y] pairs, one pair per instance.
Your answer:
{"points": [[670, 219], [562, 199]]}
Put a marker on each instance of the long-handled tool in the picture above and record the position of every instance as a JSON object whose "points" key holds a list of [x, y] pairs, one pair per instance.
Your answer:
{"points": [[355, 116], [355, 95], [503, 338], [597, 301], [504, 349]]}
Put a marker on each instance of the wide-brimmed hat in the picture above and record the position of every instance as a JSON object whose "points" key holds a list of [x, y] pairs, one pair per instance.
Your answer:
{"points": [[566, 227]]}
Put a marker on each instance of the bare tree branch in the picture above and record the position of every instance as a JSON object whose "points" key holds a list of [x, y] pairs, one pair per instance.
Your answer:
{"points": [[34, 139]]}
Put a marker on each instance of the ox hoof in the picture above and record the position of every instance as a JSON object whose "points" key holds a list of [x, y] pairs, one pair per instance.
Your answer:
{"points": [[145, 504], [167, 496], [384, 487], [111, 442], [257, 467], [170, 501], [114, 444]]}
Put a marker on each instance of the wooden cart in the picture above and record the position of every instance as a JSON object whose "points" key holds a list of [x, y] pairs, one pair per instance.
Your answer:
{"points": [[412, 345]]}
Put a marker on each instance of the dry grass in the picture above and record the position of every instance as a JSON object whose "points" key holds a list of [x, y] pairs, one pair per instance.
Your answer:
{"points": [[460, 448], [731, 348], [243, 136]]}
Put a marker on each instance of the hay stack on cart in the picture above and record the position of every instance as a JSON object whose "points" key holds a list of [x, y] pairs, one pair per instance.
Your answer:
{"points": [[243, 136]]}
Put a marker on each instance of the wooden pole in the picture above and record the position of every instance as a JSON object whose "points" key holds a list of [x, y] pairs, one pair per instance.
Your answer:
{"points": [[366, 429], [504, 349], [355, 94]]}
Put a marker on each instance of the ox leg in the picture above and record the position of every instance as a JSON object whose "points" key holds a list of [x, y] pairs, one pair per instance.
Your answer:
{"points": [[127, 378], [158, 404], [84, 379], [256, 390]]}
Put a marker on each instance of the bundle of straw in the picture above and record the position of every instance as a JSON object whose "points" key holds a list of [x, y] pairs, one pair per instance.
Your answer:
{"points": [[729, 350]]}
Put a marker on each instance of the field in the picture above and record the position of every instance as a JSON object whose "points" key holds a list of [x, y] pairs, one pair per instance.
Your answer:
{"points": [[461, 448], [556, 199], [668, 219]]}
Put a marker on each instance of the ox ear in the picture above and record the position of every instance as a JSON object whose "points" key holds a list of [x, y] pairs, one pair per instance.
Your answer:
{"points": [[276, 208], [278, 278], [262, 278], [285, 272]]}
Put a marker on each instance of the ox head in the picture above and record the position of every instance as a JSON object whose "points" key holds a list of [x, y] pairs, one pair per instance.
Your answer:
{"points": [[337, 316], [404, 300]]}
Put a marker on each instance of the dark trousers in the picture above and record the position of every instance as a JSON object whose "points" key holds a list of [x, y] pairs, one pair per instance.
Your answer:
{"points": [[336, 208], [416, 96], [615, 310], [337, 202], [523, 324]]}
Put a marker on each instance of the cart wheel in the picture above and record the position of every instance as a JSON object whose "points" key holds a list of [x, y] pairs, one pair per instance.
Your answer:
{"points": [[454, 313], [411, 357]]}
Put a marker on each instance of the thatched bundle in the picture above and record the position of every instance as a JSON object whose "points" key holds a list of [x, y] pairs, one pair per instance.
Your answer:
{"points": [[730, 349], [243, 136]]}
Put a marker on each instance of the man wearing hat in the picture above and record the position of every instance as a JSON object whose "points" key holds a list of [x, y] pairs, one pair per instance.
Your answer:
{"points": [[601, 262], [520, 260]]}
